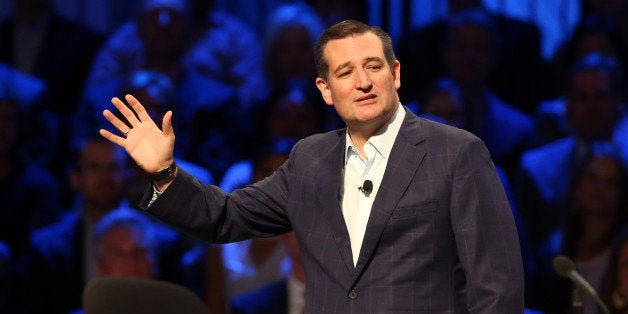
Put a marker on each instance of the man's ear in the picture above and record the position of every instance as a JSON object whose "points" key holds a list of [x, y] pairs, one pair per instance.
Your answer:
{"points": [[323, 87]]}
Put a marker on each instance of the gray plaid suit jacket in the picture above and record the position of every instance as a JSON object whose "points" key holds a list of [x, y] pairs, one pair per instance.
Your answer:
{"points": [[440, 238]]}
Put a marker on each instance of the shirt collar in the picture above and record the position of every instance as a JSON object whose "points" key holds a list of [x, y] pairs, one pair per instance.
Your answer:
{"points": [[383, 140]]}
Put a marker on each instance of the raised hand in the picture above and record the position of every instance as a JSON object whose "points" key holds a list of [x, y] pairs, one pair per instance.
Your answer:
{"points": [[151, 148]]}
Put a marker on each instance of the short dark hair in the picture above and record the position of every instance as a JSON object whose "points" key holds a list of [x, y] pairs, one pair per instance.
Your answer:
{"points": [[596, 61], [345, 29]]}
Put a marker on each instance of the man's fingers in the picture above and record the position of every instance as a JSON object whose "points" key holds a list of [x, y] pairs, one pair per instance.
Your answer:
{"points": [[166, 123], [112, 137], [126, 111], [115, 121], [138, 108]]}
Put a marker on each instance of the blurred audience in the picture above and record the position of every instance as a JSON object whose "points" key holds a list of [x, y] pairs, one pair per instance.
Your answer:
{"points": [[614, 292], [285, 296], [470, 54], [594, 34], [515, 47], [60, 258], [127, 244], [213, 66], [595, 116], [29, 193], [594, 212], [293, 110], [37, 40], [443, 103], [289, 37]]}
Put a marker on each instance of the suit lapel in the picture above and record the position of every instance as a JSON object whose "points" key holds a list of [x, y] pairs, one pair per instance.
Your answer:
{"points": [[405, 158], [328, 191]]}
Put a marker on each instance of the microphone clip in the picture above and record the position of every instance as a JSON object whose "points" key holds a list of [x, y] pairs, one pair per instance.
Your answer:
{"points": [[366, 188]]}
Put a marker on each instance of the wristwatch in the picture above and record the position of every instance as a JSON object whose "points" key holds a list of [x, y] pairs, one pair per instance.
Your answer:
{"points": [[164, 174]]}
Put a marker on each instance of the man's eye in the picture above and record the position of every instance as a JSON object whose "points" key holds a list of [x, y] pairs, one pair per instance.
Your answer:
{"points": [[374, 67], [343, 74]]}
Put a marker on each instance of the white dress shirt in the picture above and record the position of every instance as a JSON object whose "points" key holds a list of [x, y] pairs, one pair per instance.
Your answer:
{"points": [[356, 205], [296, 296]]}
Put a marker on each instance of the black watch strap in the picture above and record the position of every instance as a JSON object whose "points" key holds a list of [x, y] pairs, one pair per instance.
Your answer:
{"points": [[164, 174]]}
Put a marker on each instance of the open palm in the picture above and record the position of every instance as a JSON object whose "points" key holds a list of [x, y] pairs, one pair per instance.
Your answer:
{"points": [[152, 148]]}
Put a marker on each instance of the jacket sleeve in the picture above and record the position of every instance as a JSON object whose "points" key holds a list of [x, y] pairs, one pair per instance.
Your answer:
{"points": [[208, 213], [485, 234]]}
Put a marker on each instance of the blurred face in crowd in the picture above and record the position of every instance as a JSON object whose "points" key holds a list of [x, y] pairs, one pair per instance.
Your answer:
{"points": [[595, 42], [123, 252], [592, 105], [267, 165], [448, 106], [599, 189], [468, 54], [162, 30], [293, 56], [100, 176], [293, 116], [361, 85]]}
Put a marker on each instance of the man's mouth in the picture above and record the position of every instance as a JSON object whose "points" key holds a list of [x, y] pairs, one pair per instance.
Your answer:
{"points": [[366, 99]]}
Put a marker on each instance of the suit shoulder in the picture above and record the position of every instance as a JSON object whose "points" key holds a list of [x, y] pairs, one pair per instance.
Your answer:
{"points": [[434, 129], [321, 140]]}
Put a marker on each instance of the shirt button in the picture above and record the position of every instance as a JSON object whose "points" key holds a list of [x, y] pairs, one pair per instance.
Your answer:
{"points": [[353, 294]]}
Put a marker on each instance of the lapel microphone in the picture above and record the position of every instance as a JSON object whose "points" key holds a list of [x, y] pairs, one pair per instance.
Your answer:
{"points": [[366, 188]]}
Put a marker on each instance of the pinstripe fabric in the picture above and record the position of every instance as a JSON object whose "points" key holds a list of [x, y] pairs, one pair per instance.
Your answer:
{"points": [[440, 239]]}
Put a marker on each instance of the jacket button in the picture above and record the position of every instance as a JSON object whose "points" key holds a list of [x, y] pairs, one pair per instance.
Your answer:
{"points": [[353, 294]]}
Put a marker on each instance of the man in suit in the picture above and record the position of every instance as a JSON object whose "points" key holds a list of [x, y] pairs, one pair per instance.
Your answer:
{"points": [[430, 232]]}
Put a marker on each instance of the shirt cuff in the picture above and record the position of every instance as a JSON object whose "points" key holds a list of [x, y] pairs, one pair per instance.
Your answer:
{"points": [[156, 194]]}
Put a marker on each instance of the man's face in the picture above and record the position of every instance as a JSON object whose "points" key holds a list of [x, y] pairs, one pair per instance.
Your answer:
{"points": [[123, 253], [468, 54], [101, 174], [592, 105], [362, 86]]}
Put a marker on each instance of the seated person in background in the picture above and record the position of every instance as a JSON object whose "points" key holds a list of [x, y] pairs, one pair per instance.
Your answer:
{"points": [[30, 194], [594, 34], [292, 111], [614, 292], [252, 263], [595, 115], [214, 69], [518, 69], [289, 37], [127, 244], [470, 55], [596, 208], [443, 103], [60, 262], [280, 297]]}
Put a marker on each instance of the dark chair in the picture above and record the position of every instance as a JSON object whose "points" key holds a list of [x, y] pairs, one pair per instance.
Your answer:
{"points": [[120, 295]]}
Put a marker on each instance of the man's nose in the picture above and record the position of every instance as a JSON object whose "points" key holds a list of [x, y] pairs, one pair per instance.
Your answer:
{"points": [[362, 80]]}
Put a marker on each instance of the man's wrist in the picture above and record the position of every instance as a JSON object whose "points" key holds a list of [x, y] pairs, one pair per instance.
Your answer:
{"points": [[166, 173]]}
